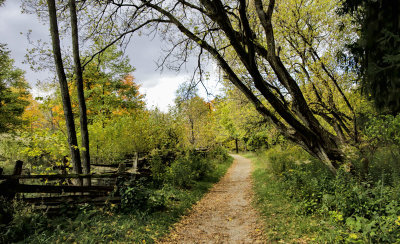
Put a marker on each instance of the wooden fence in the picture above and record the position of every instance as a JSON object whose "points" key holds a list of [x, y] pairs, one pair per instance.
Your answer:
{"points": [[56, 189]]}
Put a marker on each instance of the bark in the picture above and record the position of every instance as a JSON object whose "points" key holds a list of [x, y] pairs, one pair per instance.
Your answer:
{"points": [[81, 94], [69, 117]]}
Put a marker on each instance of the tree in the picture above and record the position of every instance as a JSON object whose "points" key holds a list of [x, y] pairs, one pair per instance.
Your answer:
{"points": [[196, 114], [242, 38], [69, 117], [246, 29], [110, 87], [13, 92], [376, 50], [33, 115], [80, 91], [239, 122], [226, 120]]}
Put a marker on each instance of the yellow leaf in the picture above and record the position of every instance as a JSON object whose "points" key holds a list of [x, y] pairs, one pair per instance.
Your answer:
{"points": [[353, 236]]}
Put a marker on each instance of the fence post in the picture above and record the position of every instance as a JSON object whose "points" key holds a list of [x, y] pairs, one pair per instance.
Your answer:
{"points": [[135, 162], [7, 188], [18, 168]]}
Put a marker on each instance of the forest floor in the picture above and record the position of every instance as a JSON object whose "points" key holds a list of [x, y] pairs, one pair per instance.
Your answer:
{"points": [[225, 214]]}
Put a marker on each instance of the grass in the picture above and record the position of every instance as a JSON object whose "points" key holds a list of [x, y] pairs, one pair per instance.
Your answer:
{"points": [[283, 220], [100, 225]]}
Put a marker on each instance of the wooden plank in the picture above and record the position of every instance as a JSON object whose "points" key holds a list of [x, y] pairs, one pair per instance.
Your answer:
{"points": [[128, 163], [104, 165], [70, 200], [23, 188], [135, 162], [56, 210], [61, 176]]}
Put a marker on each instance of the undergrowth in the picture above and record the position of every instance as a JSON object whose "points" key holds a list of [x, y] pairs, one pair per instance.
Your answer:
{"points": [[147, 211], [302, 201], [282, 218]]}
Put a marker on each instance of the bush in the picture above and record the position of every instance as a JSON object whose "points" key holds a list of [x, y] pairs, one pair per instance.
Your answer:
{"points": [[366, 211], [185, 170], [140, 195], [218, 153], [182, 169], [18, 220], [383, 129], [283, 159], [149, 194], [385, 165], [363, 211]]}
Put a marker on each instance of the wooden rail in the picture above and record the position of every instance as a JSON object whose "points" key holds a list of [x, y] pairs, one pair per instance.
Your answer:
{"points": [[10, 186], [24, 188], [63, 176], [73, 199]]}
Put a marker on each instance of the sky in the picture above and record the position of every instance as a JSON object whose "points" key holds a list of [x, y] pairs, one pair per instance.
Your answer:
{"points": [[143, 52]]}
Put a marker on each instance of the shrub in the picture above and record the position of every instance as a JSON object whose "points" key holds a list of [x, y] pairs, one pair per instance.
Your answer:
{"points": [[18, 220], [363, 211], [218, 153], [283, 159], [149, 194], [187, 169], [383, 129], [140, 195], [134, 195]]}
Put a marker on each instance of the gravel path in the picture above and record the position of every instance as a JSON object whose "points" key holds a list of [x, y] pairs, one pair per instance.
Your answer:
{"points": [[225, 214]]}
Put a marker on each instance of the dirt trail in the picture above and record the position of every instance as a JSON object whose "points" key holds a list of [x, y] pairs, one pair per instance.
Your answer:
{"points": [[225, 214]]}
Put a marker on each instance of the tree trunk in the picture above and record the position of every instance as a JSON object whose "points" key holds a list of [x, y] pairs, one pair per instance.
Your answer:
{"points": [[192, 139], [69, 117], [236, 145], [81, 94]]}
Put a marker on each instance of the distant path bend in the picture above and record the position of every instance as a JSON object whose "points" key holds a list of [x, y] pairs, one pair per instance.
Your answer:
{"points": [[225, 214]]}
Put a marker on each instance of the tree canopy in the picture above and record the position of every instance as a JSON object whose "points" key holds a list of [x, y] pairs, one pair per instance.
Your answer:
{"points": [[249, 42], [13, 92], [285, 57], [376, 50]]}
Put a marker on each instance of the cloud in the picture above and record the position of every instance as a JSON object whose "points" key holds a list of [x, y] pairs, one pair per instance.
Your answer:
{"points": [[12, 24], [143, 52], [163, 94]]}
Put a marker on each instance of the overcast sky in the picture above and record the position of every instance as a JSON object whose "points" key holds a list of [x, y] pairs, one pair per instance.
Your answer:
{"points": [[143, 52]]}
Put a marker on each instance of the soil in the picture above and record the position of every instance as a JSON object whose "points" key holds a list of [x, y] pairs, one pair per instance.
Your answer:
{"points": [[225, 214]]}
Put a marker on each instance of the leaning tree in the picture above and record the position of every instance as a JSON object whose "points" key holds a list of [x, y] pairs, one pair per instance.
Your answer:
{"points": [[280, 55]]}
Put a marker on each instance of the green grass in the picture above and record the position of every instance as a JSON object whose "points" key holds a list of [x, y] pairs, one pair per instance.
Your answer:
{"points": [[281, 215], [94, 225]]}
